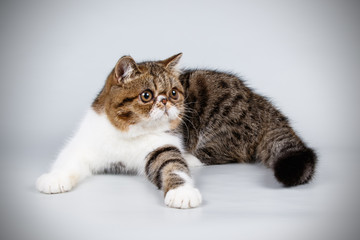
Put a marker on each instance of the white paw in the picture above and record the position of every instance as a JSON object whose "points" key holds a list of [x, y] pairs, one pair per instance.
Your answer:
{"points": [[55, 183], [183, 197]]}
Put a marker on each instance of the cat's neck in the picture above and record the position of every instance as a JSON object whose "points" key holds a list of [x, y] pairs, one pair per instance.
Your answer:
{"points": [[102, 123], [144, 129]]}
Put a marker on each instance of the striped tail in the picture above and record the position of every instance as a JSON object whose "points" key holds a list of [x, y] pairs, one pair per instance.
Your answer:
{"points": [[167, 169], [283, 151]]}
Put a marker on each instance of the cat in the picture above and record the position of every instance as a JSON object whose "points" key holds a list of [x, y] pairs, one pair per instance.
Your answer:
{"points": [[152, 119]]}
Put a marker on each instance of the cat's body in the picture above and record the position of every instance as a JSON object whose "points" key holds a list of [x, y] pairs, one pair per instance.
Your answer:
{"points": [[150, 119], [226, 122]]}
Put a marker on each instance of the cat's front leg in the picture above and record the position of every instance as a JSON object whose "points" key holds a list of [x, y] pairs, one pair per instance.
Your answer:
{"points": [[57, 182], [167, 169], [69, 168]]}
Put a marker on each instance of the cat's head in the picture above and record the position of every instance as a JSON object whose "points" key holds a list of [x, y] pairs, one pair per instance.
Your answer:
{"points": [[145, 95]]}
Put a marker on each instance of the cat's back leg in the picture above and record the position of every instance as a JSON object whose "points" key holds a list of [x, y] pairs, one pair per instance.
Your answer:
{"points": [[222, 146]]}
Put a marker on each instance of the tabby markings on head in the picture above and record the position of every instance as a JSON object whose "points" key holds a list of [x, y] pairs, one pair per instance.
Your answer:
{"points": [[147, 93]]}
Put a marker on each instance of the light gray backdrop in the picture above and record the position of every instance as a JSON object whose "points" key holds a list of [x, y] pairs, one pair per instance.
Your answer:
{"points": [[55, 56]]}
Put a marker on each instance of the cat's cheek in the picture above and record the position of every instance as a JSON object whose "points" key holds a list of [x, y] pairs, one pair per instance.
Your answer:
{"points": [[175, 123], [173, 113]]}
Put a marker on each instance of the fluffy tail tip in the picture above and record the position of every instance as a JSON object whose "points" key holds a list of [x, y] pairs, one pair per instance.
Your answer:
{"points": [[295, 167]]}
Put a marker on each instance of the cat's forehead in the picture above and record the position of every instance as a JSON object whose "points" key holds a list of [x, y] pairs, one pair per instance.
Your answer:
{"points": [[152, 68], [156, 76]]}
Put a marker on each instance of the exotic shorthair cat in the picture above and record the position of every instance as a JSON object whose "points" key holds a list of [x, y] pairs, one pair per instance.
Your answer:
{"points": [[152, 119]]}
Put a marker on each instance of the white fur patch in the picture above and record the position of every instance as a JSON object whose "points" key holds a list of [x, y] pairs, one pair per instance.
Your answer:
{"points": [[183, 197], [157, 114], [163, 113], [173, 113], [191, 160], [55, 183], [97, 144]]}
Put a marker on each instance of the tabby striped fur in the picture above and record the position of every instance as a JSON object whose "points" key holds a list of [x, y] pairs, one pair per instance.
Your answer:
{"points": [[161, 165], [226, 122], [150, 118]]}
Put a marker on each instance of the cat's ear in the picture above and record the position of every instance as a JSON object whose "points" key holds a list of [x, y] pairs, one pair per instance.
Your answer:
{"points": [[125, 68], [172, 62]]}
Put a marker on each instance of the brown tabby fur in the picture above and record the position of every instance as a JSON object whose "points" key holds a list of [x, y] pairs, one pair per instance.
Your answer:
{"points": [[223, 121], [227, 122], [120, 96], [160, 167]]}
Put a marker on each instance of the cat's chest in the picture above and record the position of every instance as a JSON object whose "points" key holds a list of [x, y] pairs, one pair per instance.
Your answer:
{"points": [[142, 144], [132, 152], [108, 144], [129, 147]]}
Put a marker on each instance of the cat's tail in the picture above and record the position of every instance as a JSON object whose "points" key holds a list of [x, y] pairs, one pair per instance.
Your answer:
{"points": [[292, 161]]}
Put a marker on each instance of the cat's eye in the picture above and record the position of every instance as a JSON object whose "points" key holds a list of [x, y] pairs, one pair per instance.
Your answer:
{"points": [[146, 96], [174, 94]]}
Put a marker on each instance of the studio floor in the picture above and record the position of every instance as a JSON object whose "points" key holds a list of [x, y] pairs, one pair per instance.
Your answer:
{"points": [[241, 201]]}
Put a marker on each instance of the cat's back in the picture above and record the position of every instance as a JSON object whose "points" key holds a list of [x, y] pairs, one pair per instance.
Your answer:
{"points": [[222, 114], [215, 82], [211, 94]]}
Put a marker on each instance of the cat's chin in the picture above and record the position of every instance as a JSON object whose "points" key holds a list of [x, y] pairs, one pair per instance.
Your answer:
{"points": [[168, 115], [163, 117]]}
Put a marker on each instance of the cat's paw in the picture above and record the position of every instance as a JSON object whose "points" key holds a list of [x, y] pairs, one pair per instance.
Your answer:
{"points": [[54, 183], [183, 197]]}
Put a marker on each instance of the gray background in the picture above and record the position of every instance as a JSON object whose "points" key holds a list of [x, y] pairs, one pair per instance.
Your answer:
{"points": [[304, 55]]}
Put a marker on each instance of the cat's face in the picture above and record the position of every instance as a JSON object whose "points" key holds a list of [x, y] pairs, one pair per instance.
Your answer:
{"points": [[147, 94]]}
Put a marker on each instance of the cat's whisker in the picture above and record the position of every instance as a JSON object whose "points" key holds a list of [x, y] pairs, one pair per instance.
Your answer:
{"points": [[183, 118], [187, 128], [189, 110]]}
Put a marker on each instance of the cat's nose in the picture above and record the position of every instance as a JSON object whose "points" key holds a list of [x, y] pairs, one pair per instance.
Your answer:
{"points": [[164, 101]]}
